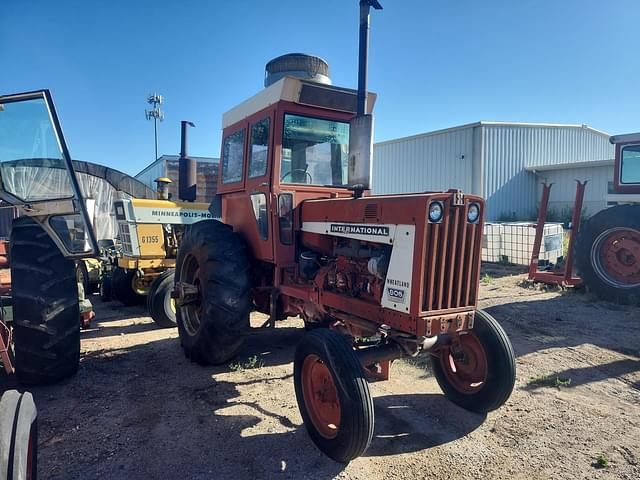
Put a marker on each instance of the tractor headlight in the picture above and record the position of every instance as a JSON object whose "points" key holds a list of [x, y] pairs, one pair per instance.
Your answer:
{"points": [[436, 210], [473, 213]]}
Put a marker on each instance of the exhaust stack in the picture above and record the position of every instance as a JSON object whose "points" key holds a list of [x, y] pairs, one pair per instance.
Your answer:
{"points": [[187, 179]]}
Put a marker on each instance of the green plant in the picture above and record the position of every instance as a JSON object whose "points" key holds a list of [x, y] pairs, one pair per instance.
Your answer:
{"points": [[549, 381], [602, 461], [250, 363], [486, 279]]}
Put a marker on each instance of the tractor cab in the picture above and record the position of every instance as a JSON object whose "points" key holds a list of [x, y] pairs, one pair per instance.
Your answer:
{"points": [[37, 175], [284, 145], [626, 177]]}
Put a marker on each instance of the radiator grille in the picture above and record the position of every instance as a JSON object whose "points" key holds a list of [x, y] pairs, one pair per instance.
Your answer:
{"points": [[125, 238], [451, 261]]}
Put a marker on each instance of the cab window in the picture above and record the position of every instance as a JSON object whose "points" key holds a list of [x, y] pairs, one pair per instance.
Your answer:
{"points": [[630, 165], [314, 151], [233, 157], [259, 151]]}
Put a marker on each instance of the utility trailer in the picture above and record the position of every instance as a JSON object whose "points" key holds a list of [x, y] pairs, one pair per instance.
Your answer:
{"points": [[375, 278]]}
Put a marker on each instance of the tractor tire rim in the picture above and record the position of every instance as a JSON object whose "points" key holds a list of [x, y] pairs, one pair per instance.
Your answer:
{"points": [[465, 364], [615, 257], [139, 286], [192, 313], [320, 396]]}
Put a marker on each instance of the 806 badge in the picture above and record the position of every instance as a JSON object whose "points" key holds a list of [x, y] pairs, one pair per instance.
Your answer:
{"points": [[396, 294]]}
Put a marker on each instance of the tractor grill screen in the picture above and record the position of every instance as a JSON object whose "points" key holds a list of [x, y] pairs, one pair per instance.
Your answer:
{"points": [[125, 238], [452, 261]]}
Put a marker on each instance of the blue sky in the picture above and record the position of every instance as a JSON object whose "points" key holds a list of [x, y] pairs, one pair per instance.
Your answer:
{"points": [[434, 63]]}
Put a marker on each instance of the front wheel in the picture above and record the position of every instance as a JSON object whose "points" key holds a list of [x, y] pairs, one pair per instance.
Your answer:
{"points": [[478, 370], [333, 395], [18, 436], [161, 306]]}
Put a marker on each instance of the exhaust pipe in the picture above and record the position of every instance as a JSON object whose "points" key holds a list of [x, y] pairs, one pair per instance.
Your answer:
{"points": [[187, 178]]}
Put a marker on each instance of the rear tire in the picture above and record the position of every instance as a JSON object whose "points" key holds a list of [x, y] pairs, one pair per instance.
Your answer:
{"points": [[18, 436], [122, 287], [483, 379], [601, 275], [45, 306], [159, 302], [333, 395], [213, 258]]}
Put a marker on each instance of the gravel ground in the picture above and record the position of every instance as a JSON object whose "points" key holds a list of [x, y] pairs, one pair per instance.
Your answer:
{"points": [[138, 409]]}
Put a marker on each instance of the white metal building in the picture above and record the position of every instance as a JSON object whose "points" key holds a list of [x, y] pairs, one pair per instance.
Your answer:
{"points": [[504, 162]]}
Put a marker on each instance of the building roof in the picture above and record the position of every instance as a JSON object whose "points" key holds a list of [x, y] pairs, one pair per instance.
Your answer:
{"points": [[499, 124], [165, 158], [568, 166]]}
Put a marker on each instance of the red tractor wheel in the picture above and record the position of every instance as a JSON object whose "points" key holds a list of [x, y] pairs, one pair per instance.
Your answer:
{"points": [[333, 395], [608, 254], [615, 256], [478, 370]]}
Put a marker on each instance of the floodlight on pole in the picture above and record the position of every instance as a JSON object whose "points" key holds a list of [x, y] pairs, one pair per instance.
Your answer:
{"points": [[155, 113]]}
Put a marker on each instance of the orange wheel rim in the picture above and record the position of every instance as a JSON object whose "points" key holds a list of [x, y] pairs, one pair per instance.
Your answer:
{"points": [[320, 396], [616, 257], [465, 364]]}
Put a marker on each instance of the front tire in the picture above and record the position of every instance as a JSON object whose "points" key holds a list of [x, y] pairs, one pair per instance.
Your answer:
{"points": [[608, 254], [478, 371], [333, 395], [18, 436], [161, 306], [213, 324], [46, 311]]}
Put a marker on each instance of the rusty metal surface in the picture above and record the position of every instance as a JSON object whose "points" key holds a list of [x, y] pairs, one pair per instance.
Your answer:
{"points": [[564, 276]]}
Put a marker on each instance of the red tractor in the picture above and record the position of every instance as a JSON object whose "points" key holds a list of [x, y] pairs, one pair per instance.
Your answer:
{"points": [[375, 278], [608, 244]]}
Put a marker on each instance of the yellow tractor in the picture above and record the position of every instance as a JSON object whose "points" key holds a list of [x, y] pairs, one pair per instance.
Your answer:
{"points": [[150, 232]]}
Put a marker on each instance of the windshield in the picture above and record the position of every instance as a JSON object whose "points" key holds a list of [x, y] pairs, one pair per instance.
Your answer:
{"points": [[630, 169], [314, 151], [31, 162]]}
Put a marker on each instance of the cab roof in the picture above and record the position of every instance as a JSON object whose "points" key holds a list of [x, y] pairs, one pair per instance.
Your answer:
{"points": [[300, 91]]}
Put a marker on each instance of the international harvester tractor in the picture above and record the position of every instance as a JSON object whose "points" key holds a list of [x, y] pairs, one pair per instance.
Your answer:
{"points": [[375, 278], [608, 243]]}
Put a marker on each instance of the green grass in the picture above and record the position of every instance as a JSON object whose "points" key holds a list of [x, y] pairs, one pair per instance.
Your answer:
{"points": [[602, 461], [249, 364], [549, 381], [487, 279]]}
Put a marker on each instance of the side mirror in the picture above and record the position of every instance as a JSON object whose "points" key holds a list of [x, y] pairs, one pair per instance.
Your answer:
{"points": [[360, 152]]}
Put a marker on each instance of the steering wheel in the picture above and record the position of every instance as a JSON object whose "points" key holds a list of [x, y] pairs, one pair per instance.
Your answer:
{"points": [[289, 173]]}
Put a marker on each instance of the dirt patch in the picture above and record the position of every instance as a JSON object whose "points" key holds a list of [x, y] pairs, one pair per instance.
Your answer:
{"points": [[139, 409]]}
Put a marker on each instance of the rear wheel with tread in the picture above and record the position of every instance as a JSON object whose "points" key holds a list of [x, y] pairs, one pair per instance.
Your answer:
{"points": [[333, 395], [608, 254], [45, 306], [213, 324]]}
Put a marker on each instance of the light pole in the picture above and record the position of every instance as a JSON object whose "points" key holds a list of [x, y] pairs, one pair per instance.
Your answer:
{"points": [[155, 113]]}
